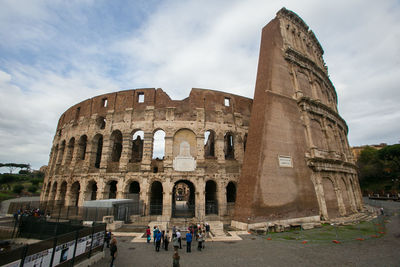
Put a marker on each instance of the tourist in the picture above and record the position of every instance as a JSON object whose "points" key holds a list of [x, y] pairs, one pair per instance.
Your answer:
{"points": [[162, 238], [108, 238], [175, 259], [199, 241], [174, 230], [148, 234], [155, 229], [207, 229], [158, 240], [382, 212], [204, 239], [189, 242], [113, 251], [175, 242], [166, 240], [178, 235]]}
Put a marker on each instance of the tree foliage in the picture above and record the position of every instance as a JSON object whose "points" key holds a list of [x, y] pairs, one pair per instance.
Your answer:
{"points": [[379, 166], [6, 180], [18, 188], [13, 166]]}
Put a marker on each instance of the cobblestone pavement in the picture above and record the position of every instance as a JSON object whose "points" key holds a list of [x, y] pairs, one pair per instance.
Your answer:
{"points": [[258, 251]]}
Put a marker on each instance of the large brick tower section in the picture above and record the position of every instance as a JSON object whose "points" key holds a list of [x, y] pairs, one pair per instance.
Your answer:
{"points": [[279, 179]]}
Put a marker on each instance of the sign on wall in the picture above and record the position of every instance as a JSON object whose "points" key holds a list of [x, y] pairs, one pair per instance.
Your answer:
{"points": [[285, 161]]}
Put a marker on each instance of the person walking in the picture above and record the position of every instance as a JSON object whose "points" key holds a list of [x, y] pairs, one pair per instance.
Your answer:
{"points": [[178, 235], [108, 238], [113, 251], [175, 259], [199, 241], [175, 242], [155, 230], [166, 240], [148, 234], [207, 229], [158, 240], [188, 242]]}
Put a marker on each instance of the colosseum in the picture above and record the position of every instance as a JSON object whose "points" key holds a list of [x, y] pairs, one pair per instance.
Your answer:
{"points": [[283, 156]]}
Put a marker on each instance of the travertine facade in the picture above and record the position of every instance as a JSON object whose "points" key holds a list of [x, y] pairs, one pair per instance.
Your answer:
{"points": [[297, 162], [97, 153]]}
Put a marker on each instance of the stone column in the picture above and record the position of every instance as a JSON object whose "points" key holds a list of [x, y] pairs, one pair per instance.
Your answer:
{"points": [[219, 148], [101, 186], [319, 190], [200, 200], [221, 196], [126, 151], [167, 200], [200, 147], [169, 140], [120, 189], [105, 153], [147, 151]]}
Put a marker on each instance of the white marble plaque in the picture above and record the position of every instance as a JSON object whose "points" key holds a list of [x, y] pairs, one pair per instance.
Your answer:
{"points": [[285, 161], [184, 162]]}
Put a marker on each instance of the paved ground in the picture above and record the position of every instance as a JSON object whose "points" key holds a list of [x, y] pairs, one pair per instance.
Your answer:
{"points": [[258, 251]]}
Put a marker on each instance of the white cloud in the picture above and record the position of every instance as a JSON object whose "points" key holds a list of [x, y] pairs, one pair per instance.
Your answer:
{"points": [[56, 54]]}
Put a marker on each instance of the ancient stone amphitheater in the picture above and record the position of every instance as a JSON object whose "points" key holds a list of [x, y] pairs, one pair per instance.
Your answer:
{"points": [[286, 153]]}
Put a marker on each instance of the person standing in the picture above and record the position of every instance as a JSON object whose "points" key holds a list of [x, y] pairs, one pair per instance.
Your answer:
{"points": [[188, 242], [178, 235], [199, 241], [207, 229], [166, 240], [158, 240], [175, 259], [155, 230], [113, 251], [148, 234], [108, 238], [175, 242]]}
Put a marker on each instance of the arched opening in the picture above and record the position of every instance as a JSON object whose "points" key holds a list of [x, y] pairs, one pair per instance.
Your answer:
{"points": [[209, 144], [229, 146], [98, 143], [101, 122], [75, 189], [159, 145], [330, 198], [112, 189], [70, 151], [183, 199], [134, 194], [156, 198], [345, 195], [116, 144], [60, 156], [92, 190], [231, 192], [82, 147], [53, 192], [63, 192], [48, 189], [211, 198], [137, 146]]}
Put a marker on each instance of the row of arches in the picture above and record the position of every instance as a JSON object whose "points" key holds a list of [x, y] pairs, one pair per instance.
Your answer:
{"points": [[183, 197], [340, 197], [135, 147]]}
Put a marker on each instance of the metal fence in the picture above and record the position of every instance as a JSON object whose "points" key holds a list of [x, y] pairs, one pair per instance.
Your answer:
{"points": [[61, 250], [135, 212]]}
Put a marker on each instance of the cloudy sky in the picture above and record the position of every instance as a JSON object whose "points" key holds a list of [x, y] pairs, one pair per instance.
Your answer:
{"points": [[54, 54]]}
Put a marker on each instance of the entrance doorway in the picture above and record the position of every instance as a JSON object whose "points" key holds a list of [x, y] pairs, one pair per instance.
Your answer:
{"points": [[156, 198], [183, 199], [211, 198]]}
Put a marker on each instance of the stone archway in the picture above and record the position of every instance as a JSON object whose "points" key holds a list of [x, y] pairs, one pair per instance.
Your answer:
{"points": [[183, 199], [156, 198], [211, 198], [63, 193], [331, 201], [112, 189], [91, 191], [75, 190], [134, 194]]}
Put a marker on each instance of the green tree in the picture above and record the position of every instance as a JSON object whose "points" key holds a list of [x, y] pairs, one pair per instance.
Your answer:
{"points": [[35, 181], [32, 188], [18, 188], [369, 166], [390, 157], [6, 180]]}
